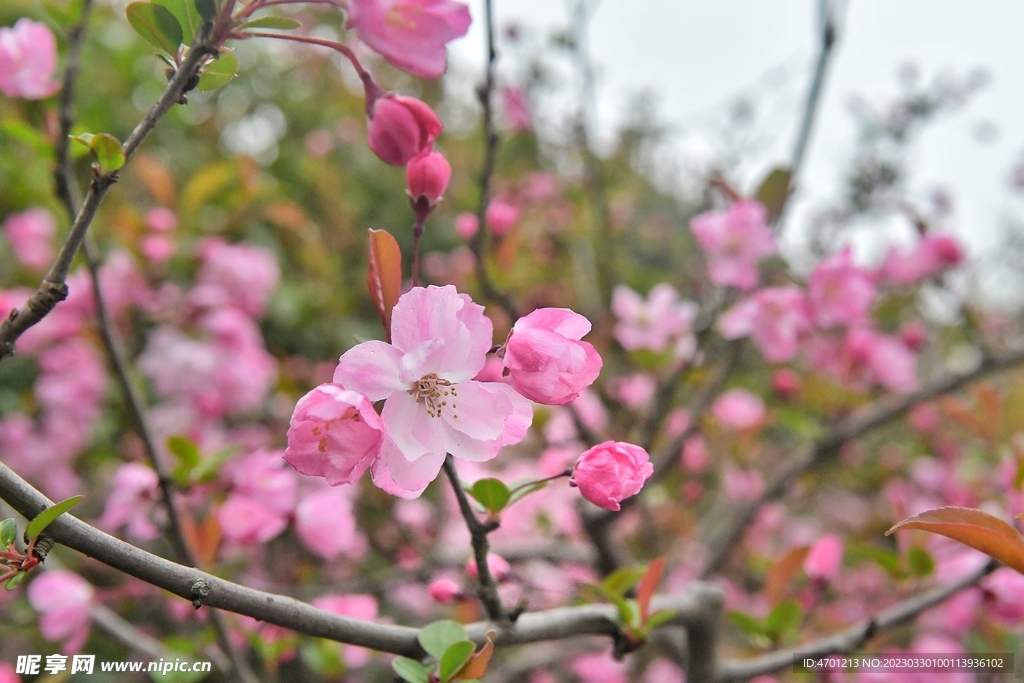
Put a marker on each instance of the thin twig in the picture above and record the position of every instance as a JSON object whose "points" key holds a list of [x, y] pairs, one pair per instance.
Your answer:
{"points": [[53, 289], [488, 589], [854, 637], [724, 524], [480, 241], [690, 607]]}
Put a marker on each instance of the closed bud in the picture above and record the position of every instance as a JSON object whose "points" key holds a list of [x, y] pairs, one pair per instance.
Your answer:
{"points": [[427, 177], [401, 128]]}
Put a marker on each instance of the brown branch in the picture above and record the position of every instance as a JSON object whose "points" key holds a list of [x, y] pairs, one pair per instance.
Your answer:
{"points": [[488, 589], [854, 637], [690, 607], [724, 524], [479, 243], [53, 289]]}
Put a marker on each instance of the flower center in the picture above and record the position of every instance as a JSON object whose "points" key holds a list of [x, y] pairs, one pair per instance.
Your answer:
{"points": [[433, 391]]}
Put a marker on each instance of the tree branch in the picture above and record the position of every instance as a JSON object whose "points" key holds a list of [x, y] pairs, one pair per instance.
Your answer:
{"points": [[854, 637], [691, 607], [825, 51], [724, 524]]}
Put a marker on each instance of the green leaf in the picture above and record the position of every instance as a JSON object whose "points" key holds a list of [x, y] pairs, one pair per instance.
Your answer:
{"points": [[455, 657], [219, 73], [46, 517], [746, 623], [156, 24], [410, 670], [282, 23], [658, 618], [621, 580], [187, 15], [105, 149], [784, 619], [518, 493], [209, 468], [8, 532], [491, 493], [26, 134], [185, 450], [774, 191], [207, 9], [437, 637], [13, 582], [920, 562]]}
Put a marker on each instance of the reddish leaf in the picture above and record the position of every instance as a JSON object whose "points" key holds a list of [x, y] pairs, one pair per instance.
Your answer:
{"points": [[384, 279], [477, 665], [783, 571], [974, 528], [648, 584]]}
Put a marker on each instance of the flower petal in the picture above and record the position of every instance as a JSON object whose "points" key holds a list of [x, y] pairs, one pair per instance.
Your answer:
{"points": [[371, 369], [410, 428]]}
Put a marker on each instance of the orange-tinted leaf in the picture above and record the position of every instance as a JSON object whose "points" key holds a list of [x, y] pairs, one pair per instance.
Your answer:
{"points": [[384, 279], [974, 528], [648, 584], [477, 665], [203, 538], [783, 571]]}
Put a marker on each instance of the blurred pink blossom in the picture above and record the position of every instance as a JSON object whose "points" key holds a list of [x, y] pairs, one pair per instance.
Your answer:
{"points": [[31, 234], [516, 109], [134, 489], [734, 241], [546, 360], [235, 275], [1003, 591], [63, 600], [738, 409], [840, 292], [610, 472], [357, 607], [932, 255], [501, 216], [444, 590], [498, 566], [636, 390], [740, 484], [599, 667], [161, 219], [326, 524], [28, 60], [824, 559], [652, 323], [158, 249], [890, 364], [786, 382], [774, 318], [411, 34], [466, 224]]}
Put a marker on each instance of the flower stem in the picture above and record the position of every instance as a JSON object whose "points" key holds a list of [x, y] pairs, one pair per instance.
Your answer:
{"points": [[566, 473]]}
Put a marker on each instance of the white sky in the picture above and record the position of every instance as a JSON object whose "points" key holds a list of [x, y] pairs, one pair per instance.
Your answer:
{"points": [[696, 55]]}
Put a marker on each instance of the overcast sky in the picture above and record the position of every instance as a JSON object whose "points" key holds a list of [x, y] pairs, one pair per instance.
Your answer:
{"points": [[697, 55]]}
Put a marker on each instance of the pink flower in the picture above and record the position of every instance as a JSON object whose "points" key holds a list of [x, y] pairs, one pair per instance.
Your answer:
{"points": [[134, 490], [739, 409], [439, 342], [889, 363], [466, 224], [8, 674], [31, 234], [774, 318], [28, 59], [411, 34], [599, 667], [444, 591], [652, 323], [785, 382], [246, 520], [840, 292], [261, 500], [334, 434], [610, 472], [427, 177], [734, 241], [1004, 595], [401, 128], [501, 216], [931, 256], [547, 362], [326, 524], [63, 600], [824, 559], [517, 110], [236, 275], [161, 219], [158, 249], [496, 564]]}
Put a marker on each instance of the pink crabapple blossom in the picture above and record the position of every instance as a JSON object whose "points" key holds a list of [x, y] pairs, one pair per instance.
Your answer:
{"points": [[498, 566], [28, 60], [824, 559], [401, 128], [501, 216], [545, 358], [840, 292], [427, 177], [134, 489], [467, 225], [30, 234], [738, 409], [63, 600], [774, 318], [652, 323], [610, 472], [734, 241], [411, 34], [432, 406]]}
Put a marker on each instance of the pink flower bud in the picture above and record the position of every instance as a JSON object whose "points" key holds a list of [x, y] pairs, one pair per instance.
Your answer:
{"points": [[445, 590], [501, 216], [823, 561], [785, 382], [401, 128], [466, 224], [28, 59], [500, 569], [547, 363], [610, 472], [335, 434], [427, 177]]}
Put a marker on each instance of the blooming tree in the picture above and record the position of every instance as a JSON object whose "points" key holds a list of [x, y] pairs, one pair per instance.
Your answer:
{"points": [[293, 436]]}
